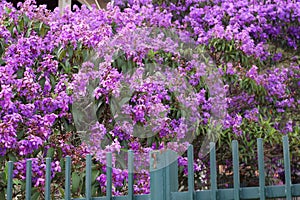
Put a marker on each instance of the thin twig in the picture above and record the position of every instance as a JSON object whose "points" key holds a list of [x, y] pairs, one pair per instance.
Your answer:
{"points": [[97, 4]]}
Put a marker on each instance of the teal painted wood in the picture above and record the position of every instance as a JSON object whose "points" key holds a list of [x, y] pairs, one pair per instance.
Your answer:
{"points": [[130, 175], [174, 172], [180, 195], [278, 191], [48, 179], [287, 168], [136, 197], [261, 169], [109, 176], [157, 176], [171, 170], [213, 171], [296, 190], [28, 179], [10, 180], [68, 178], [88, 177], [245, 193], [163, 174], [236, 171], [164, 178], [167, 180], [191, 187]]}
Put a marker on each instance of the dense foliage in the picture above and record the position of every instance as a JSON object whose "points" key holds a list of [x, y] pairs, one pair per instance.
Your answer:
{"points": [[48, 59]]}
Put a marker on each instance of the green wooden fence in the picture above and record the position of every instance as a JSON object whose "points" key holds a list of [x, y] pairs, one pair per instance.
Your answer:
{"points": [[164, 180]]}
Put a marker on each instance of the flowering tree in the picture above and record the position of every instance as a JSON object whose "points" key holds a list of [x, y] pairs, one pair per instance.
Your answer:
{"points": [[48, 62]]}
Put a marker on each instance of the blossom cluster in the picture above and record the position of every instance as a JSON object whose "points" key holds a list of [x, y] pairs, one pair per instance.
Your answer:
{"points": [[50, 61]]}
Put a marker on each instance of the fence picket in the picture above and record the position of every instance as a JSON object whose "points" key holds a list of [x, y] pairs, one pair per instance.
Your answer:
{"points": [[167, 180], [10, 180], [287, 168], [191, 187], [171, 173], [261, 169], [88, 177], [48, 179], [213, 171], [164, 178], [68, 178], [157, 176], [28, 179], [163, 174], [109, 176], [130, 175], [236, 171]]}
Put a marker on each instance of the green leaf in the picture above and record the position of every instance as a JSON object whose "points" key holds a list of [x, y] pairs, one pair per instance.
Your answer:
{"points": [[52, 80], [66, 66], [95, 174], [50, 152], [6, 172], [42, 82], [35, 196], [75, 182], [95, 188], [7, 10], [2, 194], [61, 190], [12, 157], [61, 53], [20, 73], [28, 32], [70, 52], [67, 125], [17, 181], [20, 25]]}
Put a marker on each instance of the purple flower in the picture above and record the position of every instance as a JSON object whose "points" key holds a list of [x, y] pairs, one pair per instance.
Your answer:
{"points": [[277, 56], [230, 70]]}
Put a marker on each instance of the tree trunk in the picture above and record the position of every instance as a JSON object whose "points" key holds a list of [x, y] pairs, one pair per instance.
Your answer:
{"points": [[99, 3], [62, 4]]}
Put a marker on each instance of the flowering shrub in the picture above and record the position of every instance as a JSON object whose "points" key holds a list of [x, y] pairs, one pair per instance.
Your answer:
{"points": [[49, 61]]}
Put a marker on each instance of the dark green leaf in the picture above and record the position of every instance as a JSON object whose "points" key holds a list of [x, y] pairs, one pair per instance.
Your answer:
{"points": [[2, 194], [75, 182], [50, 152], [35, 195]]}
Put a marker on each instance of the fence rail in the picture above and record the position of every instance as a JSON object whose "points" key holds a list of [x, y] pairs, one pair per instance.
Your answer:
{"points": [[164, 178]]}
